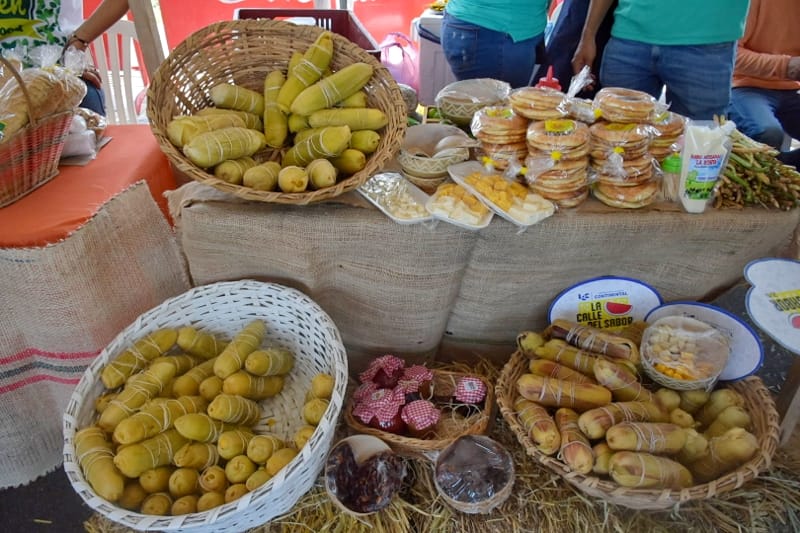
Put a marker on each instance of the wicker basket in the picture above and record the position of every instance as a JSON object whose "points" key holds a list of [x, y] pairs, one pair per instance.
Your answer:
{"points": [[244, 52], [294, 321], [758, 403], [29, 159], [448, 429]]}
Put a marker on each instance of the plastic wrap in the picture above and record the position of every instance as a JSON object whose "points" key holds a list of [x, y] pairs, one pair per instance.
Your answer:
{"points": [[538, 103], [582, 109], [474, 469], [501, 133], [626, 105], [666, 133], [83, 143], [454, 204], [680, 348], [556, 167]]}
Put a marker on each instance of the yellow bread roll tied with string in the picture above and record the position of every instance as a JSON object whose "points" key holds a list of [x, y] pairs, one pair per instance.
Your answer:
{"points": [[693, 400], [322, 173], [132, 495], [534, 346], [718, 401], [200, 344], [732, 416], [251, 120], [725, 453], [137, 458], [322, 386], [602, 457], [233, 442], [232, 170], [137, 356], [261, 447], [356, 118], [262, 177], [188, 384], [213, 479], [276, 123], [239, 468], [303, 435], [244, 384], [210, 387], [575, 450], [182, 129], [236, 491], [197, 455], [595, 340], [551, 369], [639, 470], [158, 504], [200, 427], [349, 161], [293, 179], [332, 89], [211, 148], [279, 459], [305, 70], [624, 386], [210, 500], [314, 409], [650, 437], [246, 341], [156, 479], [183, 481], [595, 422], [274, 361], [155, 418], [256, 479], [232, 96], [328, 141], [695, 447], [95, 454], [184, 505], [552, 392], [138, 389], [539, 425], [234, 410]]}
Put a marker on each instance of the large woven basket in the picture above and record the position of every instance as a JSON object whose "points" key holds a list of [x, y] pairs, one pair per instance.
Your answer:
{"points": [[448, 429], [758, 402], [29, 159], [244, 52], [293, 321]]}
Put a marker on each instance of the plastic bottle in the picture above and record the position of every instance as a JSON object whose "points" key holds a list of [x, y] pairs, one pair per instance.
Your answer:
{"points": [[549, 81], [705, 152], [671, 177]]}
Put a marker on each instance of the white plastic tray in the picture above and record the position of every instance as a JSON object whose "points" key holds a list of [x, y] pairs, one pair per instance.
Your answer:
{"points": [[460, 171], [395, 179], [485, 220]]}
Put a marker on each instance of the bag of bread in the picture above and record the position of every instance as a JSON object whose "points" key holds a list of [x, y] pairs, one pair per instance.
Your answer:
{"points": [[50, 88]]}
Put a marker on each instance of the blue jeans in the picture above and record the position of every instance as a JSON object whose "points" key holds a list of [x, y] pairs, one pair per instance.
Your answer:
{"points": [[765, 114], [698, 78], [473, 51], [94, 99]]}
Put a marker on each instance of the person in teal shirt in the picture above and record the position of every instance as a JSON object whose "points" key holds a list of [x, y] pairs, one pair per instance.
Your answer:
{"points": [[685, 45], [496, 39]]}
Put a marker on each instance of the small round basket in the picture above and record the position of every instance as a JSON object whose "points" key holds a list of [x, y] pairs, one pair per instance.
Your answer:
{"points": [[459, 467], [758, 403], [293, 321], [244, 52], [460, 100], [449, 428]]}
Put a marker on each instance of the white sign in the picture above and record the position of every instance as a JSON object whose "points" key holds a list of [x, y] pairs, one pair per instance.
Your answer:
{"points": [[773, 301]]}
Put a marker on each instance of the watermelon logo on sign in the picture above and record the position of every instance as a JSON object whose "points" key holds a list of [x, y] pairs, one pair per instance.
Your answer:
{"points": [[618, 308], [794, 320]]}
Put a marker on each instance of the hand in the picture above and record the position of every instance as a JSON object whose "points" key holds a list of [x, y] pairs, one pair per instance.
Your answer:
{"points": [[584, 55], [793, 70], [92, 76]]}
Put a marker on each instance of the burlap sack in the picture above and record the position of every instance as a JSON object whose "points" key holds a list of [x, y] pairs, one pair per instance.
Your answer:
{"points": [[388, 288], [60, 305], [402, 289]]}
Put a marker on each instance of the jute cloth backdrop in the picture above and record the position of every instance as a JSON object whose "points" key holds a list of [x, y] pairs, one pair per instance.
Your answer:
{"points": [[60, 305], [419, 290]]}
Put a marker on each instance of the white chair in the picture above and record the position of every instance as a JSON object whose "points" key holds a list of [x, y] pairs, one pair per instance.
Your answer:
{"points": [[117, 56]]}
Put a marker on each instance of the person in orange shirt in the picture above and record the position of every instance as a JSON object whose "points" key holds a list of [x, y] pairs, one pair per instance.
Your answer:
{"points": [[765, 103]]}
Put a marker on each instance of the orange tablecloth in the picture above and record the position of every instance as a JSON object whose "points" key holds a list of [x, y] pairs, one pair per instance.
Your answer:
{"points": [[65, 203]]}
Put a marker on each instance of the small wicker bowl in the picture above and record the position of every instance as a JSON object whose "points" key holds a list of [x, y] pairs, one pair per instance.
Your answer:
{"points": [[500, 459], [447, 430], [460, 100], [418, 155]]}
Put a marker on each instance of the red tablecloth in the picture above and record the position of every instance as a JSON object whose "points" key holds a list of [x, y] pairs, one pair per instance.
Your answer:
{"points": [[65, 203]]}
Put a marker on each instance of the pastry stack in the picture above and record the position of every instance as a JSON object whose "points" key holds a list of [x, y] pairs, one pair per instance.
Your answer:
{"points": [[667, 129], [558, 159], [501, 132], [538, 103], [620, 153]]}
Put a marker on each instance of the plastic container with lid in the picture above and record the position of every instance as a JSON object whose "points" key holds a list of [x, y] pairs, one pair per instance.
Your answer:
{"points": [[671, 177]]}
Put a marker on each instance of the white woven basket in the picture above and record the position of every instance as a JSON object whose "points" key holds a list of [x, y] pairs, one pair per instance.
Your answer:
{"points": [[293, 321]]}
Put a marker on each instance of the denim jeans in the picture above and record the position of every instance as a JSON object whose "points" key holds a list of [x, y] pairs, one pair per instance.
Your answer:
{"points": [[94, 99], [765, 114], [476, 52], [698, 78]]}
